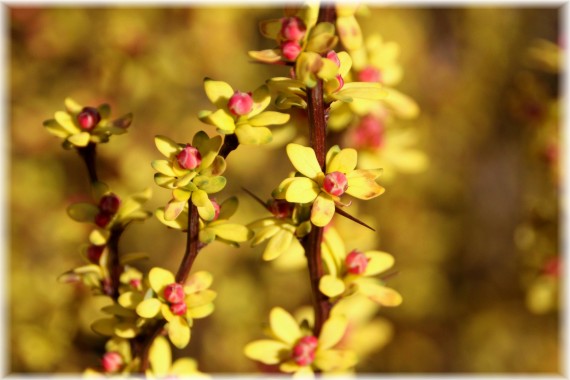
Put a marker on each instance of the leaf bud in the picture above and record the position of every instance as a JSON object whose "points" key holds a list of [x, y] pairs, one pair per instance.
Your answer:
{"points": [[178, 308], [112, 362], [109, 204], [293, 28]]}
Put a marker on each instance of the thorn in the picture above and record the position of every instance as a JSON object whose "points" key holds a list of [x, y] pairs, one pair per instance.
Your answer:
{"points": [[255, 197], [354, 219], [390, 275]]}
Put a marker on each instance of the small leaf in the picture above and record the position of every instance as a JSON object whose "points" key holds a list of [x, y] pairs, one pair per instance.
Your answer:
{"points": [[82, 212], [284, 326], [228, 208], [99, 236], [173, 209], [267, 56], [124, 121], [149, 308], [266, 351], [166, 146], [302, 190], [268, 118], [159, 278], [304, 160], [349, 32], [249, 135], [232, 232], [362, 184], [179, 332], [322, 210], [331, 286], [72, 106], [80, 139], [160, 356], [332, 332], [105, 326], [218, 92], [164, 167], [344, 161]]}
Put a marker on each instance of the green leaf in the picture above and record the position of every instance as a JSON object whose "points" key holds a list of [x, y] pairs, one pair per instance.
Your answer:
{"points": [[267, 56], [232, 232], [331, 286], [322, 210], [148, 308], [302, 190], [163, 167], [82, 212]]}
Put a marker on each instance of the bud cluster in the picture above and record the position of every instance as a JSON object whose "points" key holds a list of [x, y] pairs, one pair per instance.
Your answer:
{"points": [[293, 29], [174, 294], [108, 207]]}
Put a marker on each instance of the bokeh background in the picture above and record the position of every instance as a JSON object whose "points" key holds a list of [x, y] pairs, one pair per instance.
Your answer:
{"points": [[475, 235]]}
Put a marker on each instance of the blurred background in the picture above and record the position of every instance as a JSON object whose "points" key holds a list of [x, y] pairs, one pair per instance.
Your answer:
{"points": [[475, 233]]}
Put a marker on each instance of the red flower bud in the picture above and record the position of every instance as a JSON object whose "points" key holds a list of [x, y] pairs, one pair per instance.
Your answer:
{"points": [[552, 267], [335, 183], [135, 283], [241, 103], [369, 74], [112, 361], [109, 204], [369, 133], [303, 352], [94, 253], [189, 157], [280, 208], [88, 118], [174, 293], [290, 50], [356, 262], [102, 219], [293, 28], [178, 308]]}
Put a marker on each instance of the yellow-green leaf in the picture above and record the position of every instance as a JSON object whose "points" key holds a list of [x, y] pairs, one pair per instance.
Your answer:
{"points": [[344, 161], [349, 32], [218, 92], [268, 118], [302, 190], [331, 286], [278, 244], [82, 212], [267, 56], [378, 262], [362, 184], [173, 209], [249, 135], [322, 210], [130, 300], [220, 119], [266, 351], [159, 278], [304, 160], [333, 331], [166, 146], [284, 326], [149, 308], [80, 139], [160, 356], [164, 167], [179, 332], [232, 232]]}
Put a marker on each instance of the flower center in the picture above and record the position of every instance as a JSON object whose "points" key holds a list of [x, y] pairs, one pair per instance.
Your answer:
{"points": [[356, 262], [88, 118], [189, 157], [174, 293], [303, 352], [335, 183], [241, 103]]}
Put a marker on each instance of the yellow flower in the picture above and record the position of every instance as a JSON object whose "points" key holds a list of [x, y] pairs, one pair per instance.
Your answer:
{"points": [[79, 125], [296, 351], [161, 365], [352, 272], [241, 113], [219, 228], [178, 304], [324, 190], [191, 171], [283, 230]]}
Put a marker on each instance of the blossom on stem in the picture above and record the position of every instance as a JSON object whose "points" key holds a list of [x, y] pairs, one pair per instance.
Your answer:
{"points": [[321, 189], [239, 113], [192, 172], [296, 350], [79, 125]]}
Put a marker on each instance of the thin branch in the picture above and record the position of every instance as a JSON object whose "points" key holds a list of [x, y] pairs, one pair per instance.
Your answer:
{"points": [[192, 244], [88, 154]]}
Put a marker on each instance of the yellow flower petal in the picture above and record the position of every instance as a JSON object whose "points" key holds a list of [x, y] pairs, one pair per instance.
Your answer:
{"points": [[344, 161], [80, 139], [247, 134], [268, 118], [149, 308], [332, 332], [166, 146], [302, 190], [304, 160], [284, 326], [335, 360], [331, 286], [179, 332], [278, 244], [266, 351], [159, 278], [362, 184], [160, 356], [322, 210], [378, 262], [218, 92]]}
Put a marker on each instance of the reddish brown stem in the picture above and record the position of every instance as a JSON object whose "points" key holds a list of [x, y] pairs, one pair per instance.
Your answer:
{"points": [[192, 244], [88, 154], [115, 267], [317, 135]]}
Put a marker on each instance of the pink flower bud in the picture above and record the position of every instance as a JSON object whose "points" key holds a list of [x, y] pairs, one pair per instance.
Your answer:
{"points": [[369, 133], [189, 157], [552, 267], [102, 219], [290, 50], [280, 208], [88, 118], [335, 183], [333, 57], [303, 352], [94, 253], [109, 204], [174, 293], [369, 74], [241, 103], [112, 361], [293, 28], [178, 308], [356, 262], [135, 283]]}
